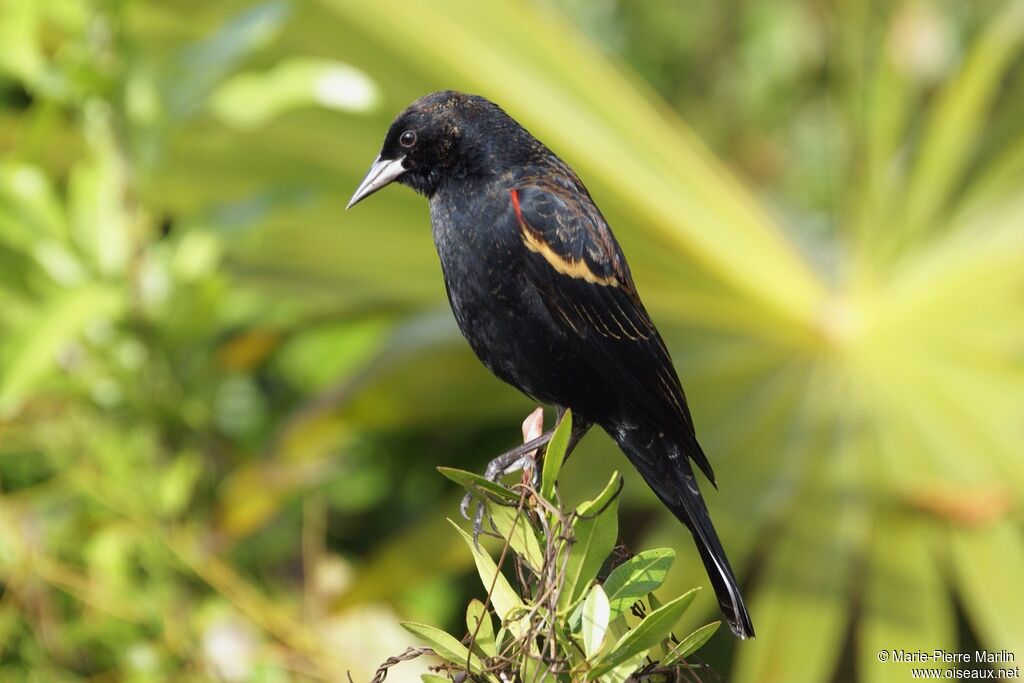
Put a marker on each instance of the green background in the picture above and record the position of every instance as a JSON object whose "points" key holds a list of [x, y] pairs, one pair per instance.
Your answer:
{"points": [[222, 397]]}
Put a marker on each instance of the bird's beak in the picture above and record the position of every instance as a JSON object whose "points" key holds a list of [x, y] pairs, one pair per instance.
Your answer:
{"points": [[381, 173]]}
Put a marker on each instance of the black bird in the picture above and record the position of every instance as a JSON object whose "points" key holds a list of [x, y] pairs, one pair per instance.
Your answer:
{"points": [[540, 289]]}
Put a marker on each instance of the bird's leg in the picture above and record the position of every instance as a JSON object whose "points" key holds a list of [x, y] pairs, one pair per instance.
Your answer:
{"points": [[519, 458], [524, 457], [516, 459], [508, 462]]}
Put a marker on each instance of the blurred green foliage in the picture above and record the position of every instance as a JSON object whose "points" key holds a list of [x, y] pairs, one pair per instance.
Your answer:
{"points": [[222, 398], [560, 619]]}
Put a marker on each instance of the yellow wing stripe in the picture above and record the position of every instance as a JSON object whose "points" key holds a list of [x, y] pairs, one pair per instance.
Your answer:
{"points": [[574, 268], [577, 269]]}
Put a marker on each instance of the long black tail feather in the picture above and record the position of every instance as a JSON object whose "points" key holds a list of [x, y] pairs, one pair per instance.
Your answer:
{"points": [[669, 474]]}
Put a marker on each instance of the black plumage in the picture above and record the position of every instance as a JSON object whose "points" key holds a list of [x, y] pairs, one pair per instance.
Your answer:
{"points": [[541, 290]]}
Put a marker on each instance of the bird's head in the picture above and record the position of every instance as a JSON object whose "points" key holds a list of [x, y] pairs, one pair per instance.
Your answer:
{"points": [[443, 136]]}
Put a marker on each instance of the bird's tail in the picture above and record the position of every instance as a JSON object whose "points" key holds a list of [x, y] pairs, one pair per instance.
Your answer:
{"points": [[668, 472]]}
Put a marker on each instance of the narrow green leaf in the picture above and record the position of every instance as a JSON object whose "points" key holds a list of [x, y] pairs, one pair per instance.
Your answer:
{"points": [[444, 645], [890, 94], [569, 643], [622, 672], [501, 636], [252, 99], [618, 627], [516, 528], [533, 669], [594, 532], [960, 114], [506, 600], [554, 455], [30, 209], [32, 352], [691, 643], [21, 51], [480, 628], [176, 483], [686, 598], [636, 577], [434, 678], [202, 65], [655, 627], [575, 612], [905, 603], [611, 489], [594, 621], [99, 222], [988, 565], [804, 589], [476, 484]]}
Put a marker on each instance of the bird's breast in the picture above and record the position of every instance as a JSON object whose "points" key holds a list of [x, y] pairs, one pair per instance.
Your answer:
{"points": [[481, 263], [498, 311]]}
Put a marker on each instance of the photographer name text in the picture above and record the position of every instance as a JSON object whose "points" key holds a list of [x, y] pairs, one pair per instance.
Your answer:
{"points": [[944, 656]]}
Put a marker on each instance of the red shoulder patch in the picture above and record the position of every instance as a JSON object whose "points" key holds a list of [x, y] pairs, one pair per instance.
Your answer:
{"points": [[515, 207]]}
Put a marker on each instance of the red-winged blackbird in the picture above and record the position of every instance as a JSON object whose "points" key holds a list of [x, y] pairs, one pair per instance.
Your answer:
{"points": [[542, 292]]}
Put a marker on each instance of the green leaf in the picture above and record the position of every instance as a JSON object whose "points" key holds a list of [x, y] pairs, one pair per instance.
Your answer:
{"points": [[594, 620], [21, 52], [636, 577], [601, 503], [532, 665], [515, 527], [804, 589], [202, 65], [480, 628], [444, 645], [533, 670], [29, 207], [594, 531], [476, 484], [177, 483], [904, 603], [654, 628], [618, 627], [959, 115], [99, 221], [506, 600], [691, 643], [501, 636], [31, 356], [434, 678], [252, 99], [988, 565], [622, 672], [554, 455], [686, 598]]}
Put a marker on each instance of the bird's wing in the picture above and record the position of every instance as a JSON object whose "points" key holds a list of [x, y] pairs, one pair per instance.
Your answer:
{"points": [[578, 268]]}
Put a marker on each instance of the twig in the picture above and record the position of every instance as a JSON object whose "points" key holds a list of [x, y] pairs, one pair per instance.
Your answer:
{"points": [[382, 670]]}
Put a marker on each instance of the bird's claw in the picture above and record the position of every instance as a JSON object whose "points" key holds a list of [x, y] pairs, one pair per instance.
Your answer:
{"points": [[478, 523], [522, 457], [506, 463], [478, 517]]}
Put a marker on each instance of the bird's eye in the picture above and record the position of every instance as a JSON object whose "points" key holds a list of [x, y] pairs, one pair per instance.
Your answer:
{"points": [[408, 138]]}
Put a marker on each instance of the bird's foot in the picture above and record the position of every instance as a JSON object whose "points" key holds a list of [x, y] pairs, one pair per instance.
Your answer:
{"points": [[521, 458]]}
